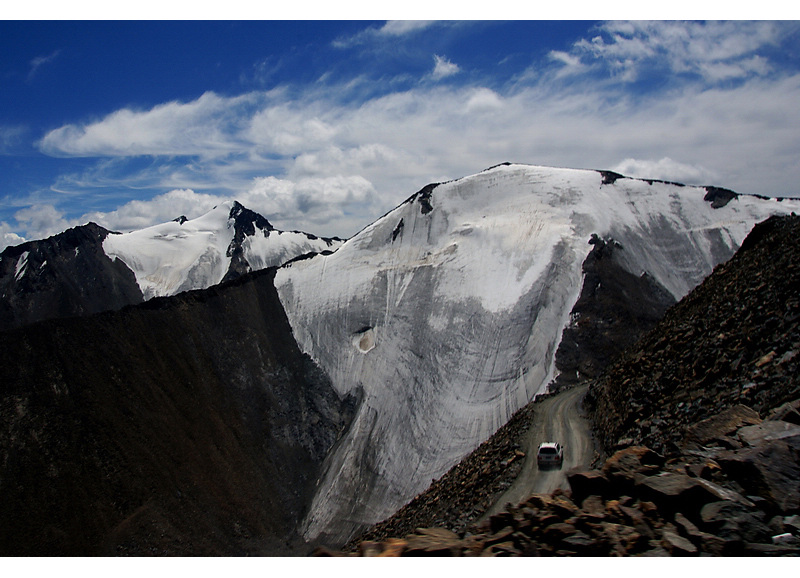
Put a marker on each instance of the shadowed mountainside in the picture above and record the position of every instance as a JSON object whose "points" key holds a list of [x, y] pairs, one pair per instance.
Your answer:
{"points": [[189, 425], [614, 309], [65, 275]]}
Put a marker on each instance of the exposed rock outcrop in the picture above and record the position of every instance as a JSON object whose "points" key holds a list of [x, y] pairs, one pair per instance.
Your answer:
{"points": [[733, 341], [615, 308]]}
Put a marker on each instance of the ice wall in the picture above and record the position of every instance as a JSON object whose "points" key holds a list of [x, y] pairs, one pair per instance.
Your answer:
{"points": [[448, 311]]}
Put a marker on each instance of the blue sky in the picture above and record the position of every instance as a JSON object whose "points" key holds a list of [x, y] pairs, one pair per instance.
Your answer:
{"points": [[323, 126]]}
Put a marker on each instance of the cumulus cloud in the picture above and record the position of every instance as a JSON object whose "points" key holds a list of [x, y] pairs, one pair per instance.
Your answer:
{"points": [[312, 203], [483, 100], [288, 128], [8, 236], [41, 221]]}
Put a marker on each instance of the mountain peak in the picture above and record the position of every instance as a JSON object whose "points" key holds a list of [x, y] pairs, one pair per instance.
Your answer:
{"points": [[246, 220]]}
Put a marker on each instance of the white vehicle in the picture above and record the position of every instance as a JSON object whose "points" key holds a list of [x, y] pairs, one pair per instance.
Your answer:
{"points": [[550, 454]]}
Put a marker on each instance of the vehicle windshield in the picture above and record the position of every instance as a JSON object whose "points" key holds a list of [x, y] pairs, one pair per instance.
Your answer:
{"points": [[548, 451]]}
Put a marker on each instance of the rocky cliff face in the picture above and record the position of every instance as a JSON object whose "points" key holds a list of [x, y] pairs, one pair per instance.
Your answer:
{"points": [[614, 309], [189, 425], [63, 276]]}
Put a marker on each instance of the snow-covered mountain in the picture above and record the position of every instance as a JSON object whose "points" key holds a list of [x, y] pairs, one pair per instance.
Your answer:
{"points": [[446, 313], [226, 242], [89, 269]]}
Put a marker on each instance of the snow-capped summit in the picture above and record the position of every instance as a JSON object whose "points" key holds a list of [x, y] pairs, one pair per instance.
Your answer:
{"points": [[196, 253], [89, 269], [447, 312]]}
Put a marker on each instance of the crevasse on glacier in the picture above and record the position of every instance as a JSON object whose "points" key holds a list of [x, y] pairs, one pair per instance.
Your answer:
{"points": [[447, 312]]}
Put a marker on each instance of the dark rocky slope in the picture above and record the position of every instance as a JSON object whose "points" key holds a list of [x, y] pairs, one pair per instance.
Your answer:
{"points": [[189, 425], [614, 309], [734, 340], [714, 388], [66, 275]]}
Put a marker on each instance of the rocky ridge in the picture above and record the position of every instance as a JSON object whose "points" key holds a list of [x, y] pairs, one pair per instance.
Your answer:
{"points": [[734, 340], [89, 269], [62, 276], [713, 390]]}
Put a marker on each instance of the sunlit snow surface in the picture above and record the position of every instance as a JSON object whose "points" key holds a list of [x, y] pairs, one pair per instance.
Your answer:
{"points": [[173, 257], [450, 321]]}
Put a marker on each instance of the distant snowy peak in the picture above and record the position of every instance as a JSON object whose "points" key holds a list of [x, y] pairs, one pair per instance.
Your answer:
{"points": [[228, 241]]}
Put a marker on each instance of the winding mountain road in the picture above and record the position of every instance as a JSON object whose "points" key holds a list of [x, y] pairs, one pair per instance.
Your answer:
{"points": [[561, 419]]}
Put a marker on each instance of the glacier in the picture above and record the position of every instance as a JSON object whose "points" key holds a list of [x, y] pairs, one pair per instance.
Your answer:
{"points": [[444, 315], [187, 254]]}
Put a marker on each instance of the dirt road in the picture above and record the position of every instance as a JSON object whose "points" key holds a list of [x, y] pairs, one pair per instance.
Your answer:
{"points": [[559, 419]]}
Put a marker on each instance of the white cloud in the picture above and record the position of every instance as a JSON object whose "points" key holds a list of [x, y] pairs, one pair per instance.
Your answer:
{"points": [[308, 159], [41, 221], [8, 236], [714, 50], [40, 61], [202, 127], [289, 129], [312, 203], [391, 29], [483, 100], [571, 63], [403, 27], [666, 169], [443, 68]]}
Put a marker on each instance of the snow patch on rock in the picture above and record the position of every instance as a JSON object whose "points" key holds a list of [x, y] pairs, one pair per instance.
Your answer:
{"points": [[22, 262]]}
